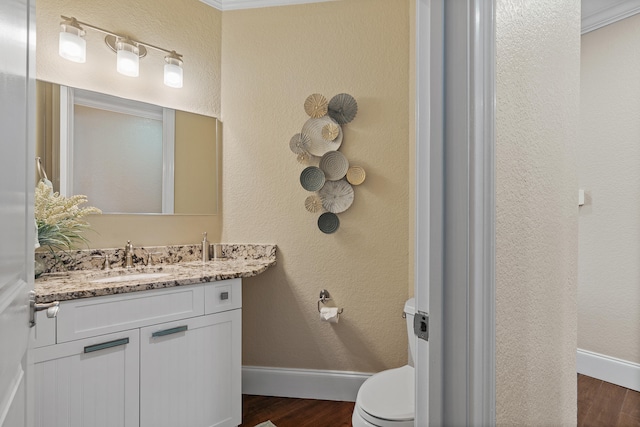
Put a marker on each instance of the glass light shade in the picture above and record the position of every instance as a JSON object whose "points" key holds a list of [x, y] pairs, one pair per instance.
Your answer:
{"points": [[128, 61], [72, 47], [173, 75]]}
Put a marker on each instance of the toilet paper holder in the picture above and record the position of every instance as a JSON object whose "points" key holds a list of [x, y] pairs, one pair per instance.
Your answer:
{"points": [[324, 297]]}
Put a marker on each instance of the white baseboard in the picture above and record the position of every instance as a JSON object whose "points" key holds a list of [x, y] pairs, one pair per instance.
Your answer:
{"points": [[302, 383], [609, 369]]}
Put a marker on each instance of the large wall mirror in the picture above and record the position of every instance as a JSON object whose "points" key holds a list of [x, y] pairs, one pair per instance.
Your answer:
{"points": [[127, 156]]}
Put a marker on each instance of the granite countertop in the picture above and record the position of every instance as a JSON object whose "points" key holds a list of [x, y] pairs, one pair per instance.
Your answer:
{"points": [[75, 284]]}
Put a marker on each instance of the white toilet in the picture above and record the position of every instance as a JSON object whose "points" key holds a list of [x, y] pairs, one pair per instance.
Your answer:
{"points": [[386, 399]]}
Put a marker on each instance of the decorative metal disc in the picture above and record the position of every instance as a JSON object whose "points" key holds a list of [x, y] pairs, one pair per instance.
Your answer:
{"points": [[343, 108], [313, 203], [337, 196], [330, 131], [303, 158], [316, 105], [312, 178], [299, 143], [334, 165], [328, 223], [318, 145], [356, 175]]}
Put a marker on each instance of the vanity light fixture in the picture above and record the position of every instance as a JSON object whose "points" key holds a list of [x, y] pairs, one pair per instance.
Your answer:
{"points": [[72, 45], [128, 51]]}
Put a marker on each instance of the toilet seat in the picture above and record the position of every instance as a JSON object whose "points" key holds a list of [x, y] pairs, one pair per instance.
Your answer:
{"points": [[386, 399]]}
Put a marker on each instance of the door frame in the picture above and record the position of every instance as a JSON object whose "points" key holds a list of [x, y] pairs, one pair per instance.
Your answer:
{"points": [[455, 211]]}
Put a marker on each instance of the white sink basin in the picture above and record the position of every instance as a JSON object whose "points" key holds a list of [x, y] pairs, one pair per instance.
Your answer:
{"points": [[130, 277]]}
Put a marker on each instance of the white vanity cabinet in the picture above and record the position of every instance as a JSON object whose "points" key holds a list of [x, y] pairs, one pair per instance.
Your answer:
{"points": [[167, 357], [89, 382], [189, 374]]}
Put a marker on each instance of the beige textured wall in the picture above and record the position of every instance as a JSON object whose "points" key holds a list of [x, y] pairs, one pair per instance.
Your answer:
{"points": [[538, 77], [273, 58], [609, 270], [195, 174], [190, 27]]}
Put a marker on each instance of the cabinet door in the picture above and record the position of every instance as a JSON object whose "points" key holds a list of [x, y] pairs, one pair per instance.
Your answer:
{"points": [[89, 383], [190, 372]]}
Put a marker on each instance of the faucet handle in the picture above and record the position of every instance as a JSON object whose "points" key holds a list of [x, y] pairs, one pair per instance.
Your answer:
{"points": [[106, 264], [150, 257]]}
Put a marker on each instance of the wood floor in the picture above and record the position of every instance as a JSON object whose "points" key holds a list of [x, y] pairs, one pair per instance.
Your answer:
{"points": [[605, 404], [287, 412], [600, 404]]}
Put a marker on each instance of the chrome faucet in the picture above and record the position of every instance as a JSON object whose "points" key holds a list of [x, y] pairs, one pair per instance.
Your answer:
{"points": [[128, 255]]}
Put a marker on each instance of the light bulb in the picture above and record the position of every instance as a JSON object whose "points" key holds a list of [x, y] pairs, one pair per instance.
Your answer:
{"points": [[173, 70], [128, 61], [173, 75]]}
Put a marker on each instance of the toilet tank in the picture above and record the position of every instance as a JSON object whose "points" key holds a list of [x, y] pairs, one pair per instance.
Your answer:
{"points": [[410, 311]]}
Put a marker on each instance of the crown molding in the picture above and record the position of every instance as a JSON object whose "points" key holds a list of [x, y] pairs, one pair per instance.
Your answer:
{"points": [[253, 4], [217, 4], [608, 14]]}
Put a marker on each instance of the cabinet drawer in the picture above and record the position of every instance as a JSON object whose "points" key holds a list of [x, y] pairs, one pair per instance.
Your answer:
{"points": [[102, 315], [222, 296]]}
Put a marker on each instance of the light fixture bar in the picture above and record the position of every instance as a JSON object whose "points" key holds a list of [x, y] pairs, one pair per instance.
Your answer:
{"points": [[111, 33], [128, 50]]}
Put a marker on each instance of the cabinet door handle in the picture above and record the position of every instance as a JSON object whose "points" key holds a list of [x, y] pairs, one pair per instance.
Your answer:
{"points": [[108, 344], [224, 295], [169, 331]]}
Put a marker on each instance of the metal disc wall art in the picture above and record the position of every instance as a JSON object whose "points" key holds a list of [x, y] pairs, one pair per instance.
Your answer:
{"points": [[318, 144], [337, 196], [313, 203], [328, 223], [312, 178], [330, 131], [356, 175], [334, 165], [304, 158], [299, 143], [316, 105], [343, 108]]}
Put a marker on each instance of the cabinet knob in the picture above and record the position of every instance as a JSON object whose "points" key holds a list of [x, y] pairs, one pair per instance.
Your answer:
{"points": [[224, 296]]}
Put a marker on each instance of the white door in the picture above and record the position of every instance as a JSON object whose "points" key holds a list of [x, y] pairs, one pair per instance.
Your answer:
{"points": [[16, 201], [455, 212], [427, 116]]}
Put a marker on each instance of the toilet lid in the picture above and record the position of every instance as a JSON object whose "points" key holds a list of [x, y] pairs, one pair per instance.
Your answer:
{"points": [[389, 395]]}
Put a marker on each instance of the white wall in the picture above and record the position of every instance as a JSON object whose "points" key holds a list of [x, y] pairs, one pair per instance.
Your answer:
{"points": [[609, 171], [538, 75]]}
